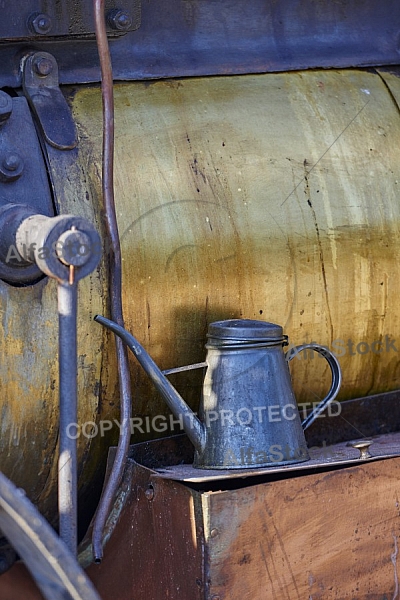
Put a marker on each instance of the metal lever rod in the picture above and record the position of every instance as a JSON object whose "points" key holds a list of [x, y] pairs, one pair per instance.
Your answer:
{"points": [[67, 461], [66, 248]]}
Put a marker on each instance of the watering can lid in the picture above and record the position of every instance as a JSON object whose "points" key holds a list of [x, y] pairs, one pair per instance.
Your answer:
{"points": [[245, 329]]}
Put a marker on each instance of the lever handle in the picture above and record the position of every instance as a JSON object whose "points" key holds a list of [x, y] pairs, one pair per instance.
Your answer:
{"points": [[32, 244], [66, 248]]}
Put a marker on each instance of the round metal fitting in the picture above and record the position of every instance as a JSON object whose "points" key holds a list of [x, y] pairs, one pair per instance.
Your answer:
{"points": [[42, 235], [363, 447], [43, 66], [149, 493], [6, 106], [234, 332], [11, 167], [214, 532], [40, 23], [73, 247], [119, 20], [15, 266]]}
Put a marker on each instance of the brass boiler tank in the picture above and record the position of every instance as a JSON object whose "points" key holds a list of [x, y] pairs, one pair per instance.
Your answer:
{"points": [[270, 196]]}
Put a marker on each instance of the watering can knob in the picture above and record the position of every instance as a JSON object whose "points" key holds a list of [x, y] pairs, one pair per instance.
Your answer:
{"points": [[363, 447]]}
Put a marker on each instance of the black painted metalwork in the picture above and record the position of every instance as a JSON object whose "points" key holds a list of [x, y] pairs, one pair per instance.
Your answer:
{"points": [[23, 172], [180, 38], [28, 20], [40, 85]]}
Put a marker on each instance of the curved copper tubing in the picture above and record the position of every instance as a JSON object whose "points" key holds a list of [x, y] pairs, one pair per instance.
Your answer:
{"points": [[107, 497]]}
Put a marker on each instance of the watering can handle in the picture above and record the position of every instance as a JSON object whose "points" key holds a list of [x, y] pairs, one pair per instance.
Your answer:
{"points": [[336, 378]]}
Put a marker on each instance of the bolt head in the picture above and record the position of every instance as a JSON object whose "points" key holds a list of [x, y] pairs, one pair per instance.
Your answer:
{"points": [[11, 167], [40, 23], [119, 20], [43, 66], [11, 162]]}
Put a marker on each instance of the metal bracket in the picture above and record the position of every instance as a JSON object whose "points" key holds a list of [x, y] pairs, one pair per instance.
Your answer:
{"points": [[41, 87], [23, 176]]}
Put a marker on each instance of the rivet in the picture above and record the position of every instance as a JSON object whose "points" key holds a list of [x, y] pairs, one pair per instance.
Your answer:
{"points": [[214, 532], [11, 162], [11, 167]]}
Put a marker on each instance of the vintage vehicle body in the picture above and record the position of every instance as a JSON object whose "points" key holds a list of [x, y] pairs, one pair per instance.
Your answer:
{"points": [[256, 176]]}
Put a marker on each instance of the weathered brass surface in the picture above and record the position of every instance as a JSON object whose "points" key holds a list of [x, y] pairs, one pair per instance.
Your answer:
{"points": [[29, 364], [269, 196]]}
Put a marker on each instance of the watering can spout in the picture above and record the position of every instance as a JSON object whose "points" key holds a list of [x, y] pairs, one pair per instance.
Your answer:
{"points": [[194, 429]]}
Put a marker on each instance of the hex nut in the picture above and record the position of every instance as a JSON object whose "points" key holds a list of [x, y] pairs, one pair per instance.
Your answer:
{"points": [[43, 66], [119, 20], [40, 23]]}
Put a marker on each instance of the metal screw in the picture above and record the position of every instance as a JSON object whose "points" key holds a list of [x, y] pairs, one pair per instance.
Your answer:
{"points": [[43, 66], [6, 106], [120, 20], [40, 23]]}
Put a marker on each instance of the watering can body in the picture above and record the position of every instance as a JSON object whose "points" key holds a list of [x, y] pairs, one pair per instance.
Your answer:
{"points": [[248, 414], [248, 406]]}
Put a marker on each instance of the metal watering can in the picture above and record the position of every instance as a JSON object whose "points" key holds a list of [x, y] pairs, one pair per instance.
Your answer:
{"points": [[248, 415]]}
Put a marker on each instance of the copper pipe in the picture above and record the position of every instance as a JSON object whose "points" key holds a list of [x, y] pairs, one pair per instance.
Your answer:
{"points": [[115, 278]]}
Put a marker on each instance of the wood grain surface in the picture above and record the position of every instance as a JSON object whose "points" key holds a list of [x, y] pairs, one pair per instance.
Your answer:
{"points": [[331, 536]]}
